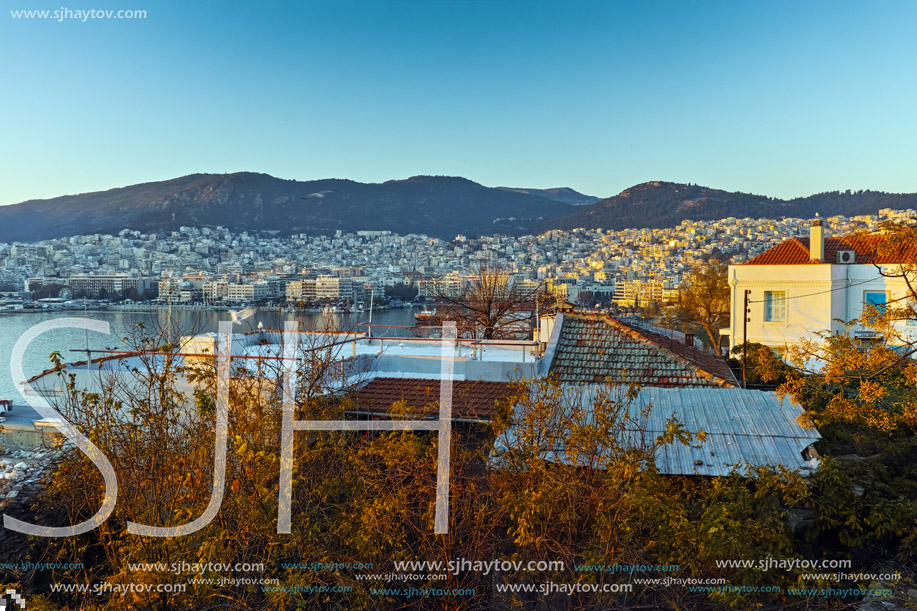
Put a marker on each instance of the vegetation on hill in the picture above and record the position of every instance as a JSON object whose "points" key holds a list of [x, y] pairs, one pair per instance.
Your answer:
{"points": [[560, 194], [666, 204], [442, 206]]}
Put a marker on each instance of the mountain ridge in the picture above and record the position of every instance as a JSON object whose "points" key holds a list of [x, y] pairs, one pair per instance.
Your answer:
{"points": [[440, 206], [560, 194], [656, 204], [437, 205]]}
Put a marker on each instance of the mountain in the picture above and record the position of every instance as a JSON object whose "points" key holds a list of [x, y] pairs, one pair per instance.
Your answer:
{"points": [[666, 204], [559, 194], [442, 206]]}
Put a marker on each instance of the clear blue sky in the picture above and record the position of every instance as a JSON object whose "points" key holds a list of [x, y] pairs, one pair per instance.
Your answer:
{"points": [[779, 98]]}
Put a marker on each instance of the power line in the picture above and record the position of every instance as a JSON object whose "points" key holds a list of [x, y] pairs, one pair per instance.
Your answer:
{"points": [[840, 288]]}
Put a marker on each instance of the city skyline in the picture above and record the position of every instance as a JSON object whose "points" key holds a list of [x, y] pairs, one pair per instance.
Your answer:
{"points": [[779, 100]]}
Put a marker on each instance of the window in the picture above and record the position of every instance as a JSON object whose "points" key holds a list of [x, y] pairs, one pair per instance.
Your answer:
{"points": [[775, 306], [879, 299]]}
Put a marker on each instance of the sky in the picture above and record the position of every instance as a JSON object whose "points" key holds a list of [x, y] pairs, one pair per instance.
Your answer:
{"points": [[776, 98]]}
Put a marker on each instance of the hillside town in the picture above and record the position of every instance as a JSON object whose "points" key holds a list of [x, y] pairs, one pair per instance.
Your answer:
{"points": [[215, 266]]}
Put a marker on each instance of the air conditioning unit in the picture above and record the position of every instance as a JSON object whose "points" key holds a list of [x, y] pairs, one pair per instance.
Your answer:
{"points": [[846, 256]]}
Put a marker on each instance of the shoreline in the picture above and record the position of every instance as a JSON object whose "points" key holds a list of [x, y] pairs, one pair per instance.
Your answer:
{"points": [[189, 307]]}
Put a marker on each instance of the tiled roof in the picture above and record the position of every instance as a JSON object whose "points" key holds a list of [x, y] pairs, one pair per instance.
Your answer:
{"points": [[471, 399], [795, 251], [591, 348]]}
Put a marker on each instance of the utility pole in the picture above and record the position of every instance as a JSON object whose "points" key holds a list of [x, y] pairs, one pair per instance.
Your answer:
{"points": [[745, 313]]}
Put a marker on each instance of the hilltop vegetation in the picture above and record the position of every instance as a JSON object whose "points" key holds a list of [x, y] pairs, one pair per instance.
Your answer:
{"points": [[436, 205], [666, 204], [440, 206]]}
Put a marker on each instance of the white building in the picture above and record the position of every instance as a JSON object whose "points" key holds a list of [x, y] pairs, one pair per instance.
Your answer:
{"points": [[107, 285], [216, 290], [807, 285], [247, 293], [301, 290]]}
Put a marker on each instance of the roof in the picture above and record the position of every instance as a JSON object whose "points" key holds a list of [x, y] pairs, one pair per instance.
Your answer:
{"points": [[593, 347], [795, 251], [471, 399], [742, 427]]}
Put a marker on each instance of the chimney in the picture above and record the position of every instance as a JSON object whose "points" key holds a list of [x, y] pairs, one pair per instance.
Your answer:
{"points": [[689, 339], [817, 241]]}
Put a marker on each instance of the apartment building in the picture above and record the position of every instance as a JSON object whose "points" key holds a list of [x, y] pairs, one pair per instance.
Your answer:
{"points": [[109, 285]]}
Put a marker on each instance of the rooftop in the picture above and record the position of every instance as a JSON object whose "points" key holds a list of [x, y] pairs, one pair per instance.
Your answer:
{"points": [[742, 428], [594, 347], [868, 249], [471, 399]]}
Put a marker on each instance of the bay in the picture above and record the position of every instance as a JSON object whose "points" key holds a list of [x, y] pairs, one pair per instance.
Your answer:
{"points": [[387, 323]]}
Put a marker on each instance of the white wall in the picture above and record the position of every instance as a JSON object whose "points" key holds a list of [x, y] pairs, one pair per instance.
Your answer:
{"points": [[817, 296]]}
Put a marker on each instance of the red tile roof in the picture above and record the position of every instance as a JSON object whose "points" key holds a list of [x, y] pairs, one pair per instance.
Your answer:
{"points": [[471, 399], [795, 251], [592, 348]]}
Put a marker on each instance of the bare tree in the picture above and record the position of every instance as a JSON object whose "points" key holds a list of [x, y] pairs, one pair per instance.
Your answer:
{"points": [[490, 305]]}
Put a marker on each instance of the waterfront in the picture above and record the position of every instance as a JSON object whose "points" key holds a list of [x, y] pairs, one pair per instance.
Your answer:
{"points": [[122, 322]]}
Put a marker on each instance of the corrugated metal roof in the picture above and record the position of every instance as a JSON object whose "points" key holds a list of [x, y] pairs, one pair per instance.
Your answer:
{"points": [[743, 428]]}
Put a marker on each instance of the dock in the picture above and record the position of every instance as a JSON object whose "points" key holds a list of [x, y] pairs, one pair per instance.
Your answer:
{"points": [[22, 428]]}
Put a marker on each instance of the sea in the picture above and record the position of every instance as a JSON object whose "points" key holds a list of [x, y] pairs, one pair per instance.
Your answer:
{"points": [[72, 344]]}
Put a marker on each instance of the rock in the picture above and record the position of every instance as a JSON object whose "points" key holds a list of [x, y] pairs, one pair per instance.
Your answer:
{"points": [[13, 494], [21, 466]]}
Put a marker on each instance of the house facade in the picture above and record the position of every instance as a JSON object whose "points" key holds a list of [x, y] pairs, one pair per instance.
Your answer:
{"points": [[804, 286]]}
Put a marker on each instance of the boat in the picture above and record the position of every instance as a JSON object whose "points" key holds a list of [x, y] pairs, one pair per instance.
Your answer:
{"points": [[427, 317]]}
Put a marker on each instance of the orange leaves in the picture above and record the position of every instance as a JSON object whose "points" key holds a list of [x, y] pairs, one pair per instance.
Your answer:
{"points": [[870, 391]]}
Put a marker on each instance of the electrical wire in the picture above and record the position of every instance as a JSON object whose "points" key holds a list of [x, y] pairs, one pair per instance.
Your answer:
{"points": [[840, 288]]}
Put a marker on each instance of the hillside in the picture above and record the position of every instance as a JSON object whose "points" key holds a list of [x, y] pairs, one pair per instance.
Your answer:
{"points": [[441, 206], [666, 204], [436, 205], [559, 194]]}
